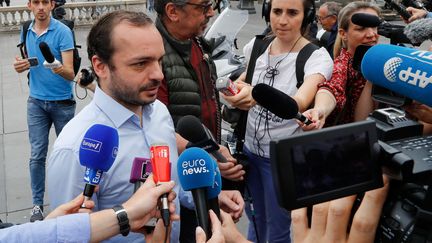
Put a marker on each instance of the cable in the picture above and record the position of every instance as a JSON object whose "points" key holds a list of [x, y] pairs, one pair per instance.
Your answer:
{"points": [[250, 200]]}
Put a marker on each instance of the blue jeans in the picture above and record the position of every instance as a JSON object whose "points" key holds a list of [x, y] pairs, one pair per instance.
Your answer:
{"points": [[40, 116], [272, 222]]}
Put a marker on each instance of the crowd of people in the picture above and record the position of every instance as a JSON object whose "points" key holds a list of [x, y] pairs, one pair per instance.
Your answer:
{"points": [[150, 75]]}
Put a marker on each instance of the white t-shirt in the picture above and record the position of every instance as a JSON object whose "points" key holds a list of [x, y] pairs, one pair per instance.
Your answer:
{"points": [[286, 81]]}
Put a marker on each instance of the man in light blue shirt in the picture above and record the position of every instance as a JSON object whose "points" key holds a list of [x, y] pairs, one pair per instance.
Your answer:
{"points": [[125, 49], [51, 98]]}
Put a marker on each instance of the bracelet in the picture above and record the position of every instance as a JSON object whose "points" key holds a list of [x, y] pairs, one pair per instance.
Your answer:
{"points": [[123, 219]]}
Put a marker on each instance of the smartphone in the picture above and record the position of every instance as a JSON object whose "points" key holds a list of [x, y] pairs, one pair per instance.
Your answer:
{"points": [[33, 61]]}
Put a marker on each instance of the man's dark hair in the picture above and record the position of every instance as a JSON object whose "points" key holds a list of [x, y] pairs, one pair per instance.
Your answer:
{"points": [[159, 5], [99, 40]]}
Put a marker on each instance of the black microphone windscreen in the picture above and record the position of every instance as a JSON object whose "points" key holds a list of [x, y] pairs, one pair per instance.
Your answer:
{"points": [[419, 30], [276, 101], [190, 128], [358, 56], [46, 52], [365, 20]]}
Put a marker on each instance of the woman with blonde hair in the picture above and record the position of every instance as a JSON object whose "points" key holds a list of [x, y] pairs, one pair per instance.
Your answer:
{"points": [[346, 97]]}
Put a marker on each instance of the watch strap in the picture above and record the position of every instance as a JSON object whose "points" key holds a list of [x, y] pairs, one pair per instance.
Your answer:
{"points": [[123, 219]]}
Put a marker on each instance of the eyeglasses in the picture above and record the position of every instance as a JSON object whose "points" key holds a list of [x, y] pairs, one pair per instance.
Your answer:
{"points": [[322, 18], [205, 6]]}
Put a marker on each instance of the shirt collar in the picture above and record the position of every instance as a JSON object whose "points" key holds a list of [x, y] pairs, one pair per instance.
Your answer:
{"points": [[50, 25], [116, 112]]}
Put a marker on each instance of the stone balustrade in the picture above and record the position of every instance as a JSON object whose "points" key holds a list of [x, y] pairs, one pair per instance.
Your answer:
{"points": [[83, 13]]}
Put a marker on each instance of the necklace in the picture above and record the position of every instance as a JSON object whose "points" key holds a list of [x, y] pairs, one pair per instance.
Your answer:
{"points": [[271, 71]]}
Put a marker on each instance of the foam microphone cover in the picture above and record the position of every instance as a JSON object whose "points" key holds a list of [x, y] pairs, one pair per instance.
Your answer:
{"points": [[358, 56], [403, 70], [213, 191], [276, 101], [46, 52], [366, 20], [99, 147], [195, 169], [419, 30], [190, 127]]}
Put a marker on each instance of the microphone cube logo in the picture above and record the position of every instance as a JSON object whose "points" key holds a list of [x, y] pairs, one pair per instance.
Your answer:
{"points": [[390, 68], [195, 166], [92, 176], [91, 144]]}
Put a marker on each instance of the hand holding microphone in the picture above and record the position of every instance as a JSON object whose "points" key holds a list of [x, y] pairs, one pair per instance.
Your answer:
{"points": [[50, 61], [97, 153], [195, 170], [159, 157]]}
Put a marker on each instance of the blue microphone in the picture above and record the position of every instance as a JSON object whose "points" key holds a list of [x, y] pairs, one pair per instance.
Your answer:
{"points": [[213, 191], [403, 70], [97, 153], [196, 170]]}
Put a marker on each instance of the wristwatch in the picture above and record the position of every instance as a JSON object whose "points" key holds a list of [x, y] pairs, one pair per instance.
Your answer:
{"points": [[123, 219]]}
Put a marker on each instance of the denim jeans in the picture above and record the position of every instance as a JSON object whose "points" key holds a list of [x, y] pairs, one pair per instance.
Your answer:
{"points": [[40, 116], [272, 222]]}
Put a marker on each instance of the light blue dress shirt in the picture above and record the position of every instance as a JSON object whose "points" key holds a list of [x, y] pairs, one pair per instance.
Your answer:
{"points": [[65, 174], [74, 228], [429, 15]]}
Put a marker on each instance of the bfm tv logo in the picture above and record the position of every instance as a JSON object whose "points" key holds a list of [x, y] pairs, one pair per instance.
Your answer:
{"points": [[418, 78], [195, 166]]}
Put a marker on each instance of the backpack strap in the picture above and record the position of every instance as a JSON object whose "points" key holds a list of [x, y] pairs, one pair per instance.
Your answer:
{"points": [[22, 45], [259, 47], [301, 60]]}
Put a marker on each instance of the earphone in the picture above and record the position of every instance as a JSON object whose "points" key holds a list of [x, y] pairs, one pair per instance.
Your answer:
{"points": [[309, 13]]}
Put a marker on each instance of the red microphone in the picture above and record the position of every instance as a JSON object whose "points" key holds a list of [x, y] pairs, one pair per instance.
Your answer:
{"points": [[159, 158]]}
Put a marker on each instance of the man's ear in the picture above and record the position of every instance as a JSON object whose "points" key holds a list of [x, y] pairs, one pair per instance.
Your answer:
{"points": [[100, 68], [171, 11]]}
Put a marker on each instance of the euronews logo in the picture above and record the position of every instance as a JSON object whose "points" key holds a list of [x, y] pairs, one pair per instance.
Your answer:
{"points": [[195, 166], [416, 78], [91, 144]]}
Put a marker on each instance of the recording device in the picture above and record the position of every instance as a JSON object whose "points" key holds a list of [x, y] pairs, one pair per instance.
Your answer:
{"points": [[141, 170], [419, 30], [87, 77], [277, 102], [159, 157], [97, 153], [400, 69], [33, 61], [391, 31], [325, 164], [413, 3], [50, 61], [214, 191], [226, 86], [399, 8], [195, 170], [198, 135]]}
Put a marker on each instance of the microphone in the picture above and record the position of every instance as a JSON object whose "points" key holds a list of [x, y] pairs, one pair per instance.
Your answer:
{"points": [[195, 170], [419, 30], [403, 70], [399, 8], [50, 61], [159, 157], [97, 153], [366, 20], [198, 135], [141, 169], [277, 102], [213, 191]]}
